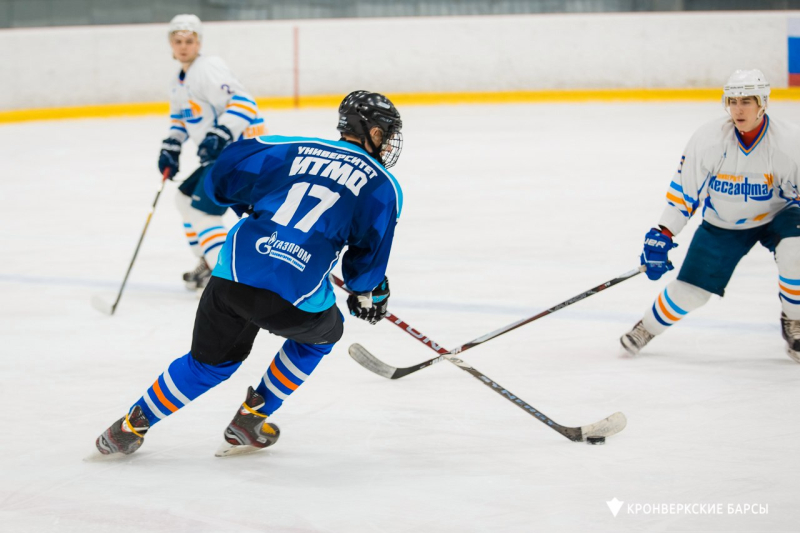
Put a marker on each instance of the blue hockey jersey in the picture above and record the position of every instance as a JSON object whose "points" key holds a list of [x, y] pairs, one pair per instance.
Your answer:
{"points": [[309, 198]]}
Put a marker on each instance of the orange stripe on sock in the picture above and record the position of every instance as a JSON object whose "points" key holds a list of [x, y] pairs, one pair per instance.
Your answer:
{"points": [[664, 310], [213, 237], [283, 379], [191, 234], [790, 291], [163, 398]]}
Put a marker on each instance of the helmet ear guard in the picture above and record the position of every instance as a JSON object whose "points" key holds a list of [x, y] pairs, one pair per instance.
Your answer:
{"points": [[360, 111]]}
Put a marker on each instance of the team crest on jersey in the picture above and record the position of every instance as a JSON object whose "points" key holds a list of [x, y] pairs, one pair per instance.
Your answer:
{"points": [[753, 188], [193, 114], [285, 251]]}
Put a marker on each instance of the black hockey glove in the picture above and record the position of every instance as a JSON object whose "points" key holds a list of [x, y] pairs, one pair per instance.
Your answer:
{"points": [[169, 156], [370, 306], [216, 140]]}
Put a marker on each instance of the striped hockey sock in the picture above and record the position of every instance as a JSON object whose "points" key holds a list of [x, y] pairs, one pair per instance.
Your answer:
{"points": [[672, 304], [787, 255], [290, 369], [210, 239], [205, 233], [184, 380], [191, 238]]}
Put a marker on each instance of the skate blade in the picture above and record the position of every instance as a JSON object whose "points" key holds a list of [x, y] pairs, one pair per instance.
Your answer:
{"points": [[229, 450], [97, 457], [793, 354]]}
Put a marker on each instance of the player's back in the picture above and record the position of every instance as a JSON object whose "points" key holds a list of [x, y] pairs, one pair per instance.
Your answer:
{"points": [[309, 198]]}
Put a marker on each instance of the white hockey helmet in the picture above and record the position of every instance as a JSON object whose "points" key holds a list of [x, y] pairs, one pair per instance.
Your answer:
{"points": [[747, 83], [186, 23]]}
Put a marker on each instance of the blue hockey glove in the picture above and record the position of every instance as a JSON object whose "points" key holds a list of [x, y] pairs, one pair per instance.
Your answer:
{"points": [[370, 306], [216, 140], [169, 156], [657, 245]]}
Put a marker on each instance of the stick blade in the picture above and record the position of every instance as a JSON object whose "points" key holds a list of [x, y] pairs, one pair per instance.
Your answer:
{"points": [[606, 427], [370, 362], [102, 306]]}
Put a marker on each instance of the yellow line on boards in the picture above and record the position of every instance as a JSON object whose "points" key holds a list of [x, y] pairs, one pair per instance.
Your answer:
{"points": [[401, 99]]}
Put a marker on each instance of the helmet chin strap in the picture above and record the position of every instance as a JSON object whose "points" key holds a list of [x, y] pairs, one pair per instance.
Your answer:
{"points": [[762, 110], [365, 144], [369, 146]]}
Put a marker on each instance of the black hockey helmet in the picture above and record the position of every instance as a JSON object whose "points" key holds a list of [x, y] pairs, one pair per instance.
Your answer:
{"points": [[360, 111]]}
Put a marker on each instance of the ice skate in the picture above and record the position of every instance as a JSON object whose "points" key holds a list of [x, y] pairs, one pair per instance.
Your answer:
{"points": [[126, 435], [249, 430], [197, 278], [791, 333], [636, 339]]}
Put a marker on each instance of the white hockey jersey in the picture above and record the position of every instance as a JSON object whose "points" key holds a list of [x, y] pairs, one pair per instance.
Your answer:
{"points": [[209, 95], [736, 186]]}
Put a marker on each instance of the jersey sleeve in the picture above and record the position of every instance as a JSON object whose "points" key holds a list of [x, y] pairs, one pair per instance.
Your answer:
{"points": [[235, 108], [177, 129], [235, 174], [364, 264], [787, 166], [685, 190]]}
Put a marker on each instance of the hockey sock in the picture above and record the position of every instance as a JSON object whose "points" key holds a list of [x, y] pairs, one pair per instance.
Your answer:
{"points": [[184, 203], [290, 369], [211, 232], [787, 255], [672, 304], [211, 235], [184, 380]]}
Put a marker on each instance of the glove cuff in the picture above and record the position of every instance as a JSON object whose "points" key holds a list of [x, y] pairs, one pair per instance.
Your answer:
{"points": [[222, 132]]}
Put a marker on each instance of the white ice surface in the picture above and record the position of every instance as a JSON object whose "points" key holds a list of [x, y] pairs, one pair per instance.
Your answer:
{"points": [[508, 210]]}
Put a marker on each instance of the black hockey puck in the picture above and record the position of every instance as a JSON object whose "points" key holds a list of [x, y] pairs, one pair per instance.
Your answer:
{"points": [[596, 440]]}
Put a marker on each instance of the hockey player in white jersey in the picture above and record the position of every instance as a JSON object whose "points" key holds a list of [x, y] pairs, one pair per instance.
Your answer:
{"points": [[210, 106], [743, 172]]}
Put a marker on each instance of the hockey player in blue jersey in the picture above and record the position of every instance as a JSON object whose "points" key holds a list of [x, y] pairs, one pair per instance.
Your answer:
{"points": [[306, 199]]}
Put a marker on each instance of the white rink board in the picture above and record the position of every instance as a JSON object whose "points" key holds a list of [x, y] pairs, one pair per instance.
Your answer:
{"points": [[73, 66], [508, 210]]}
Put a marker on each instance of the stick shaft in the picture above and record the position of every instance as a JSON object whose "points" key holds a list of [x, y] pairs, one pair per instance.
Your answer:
{"points": [[141, 238], [436, 347]]}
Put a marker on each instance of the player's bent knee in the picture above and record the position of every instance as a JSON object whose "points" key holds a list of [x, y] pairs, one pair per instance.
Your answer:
{"points": [[211, 372], [688, 295], [787, 253], [215, 359], [184, 205]]}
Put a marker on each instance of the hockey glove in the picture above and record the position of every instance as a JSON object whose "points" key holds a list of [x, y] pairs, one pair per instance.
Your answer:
{"points": [[216, 140], [657, 244], [370, 306], [169, 156]]}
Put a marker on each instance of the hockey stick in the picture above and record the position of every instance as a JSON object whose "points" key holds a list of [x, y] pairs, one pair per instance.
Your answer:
{"points": [[370, 362], [604, 428], [100, 304]]}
